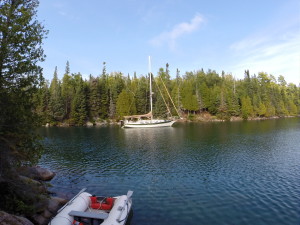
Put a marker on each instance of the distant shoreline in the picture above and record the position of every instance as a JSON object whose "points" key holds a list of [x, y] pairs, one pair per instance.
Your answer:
{"points": [[197, 119]]}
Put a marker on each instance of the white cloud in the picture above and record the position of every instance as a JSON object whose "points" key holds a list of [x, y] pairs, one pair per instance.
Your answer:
{"points": [[271, 54], [170, 37]]}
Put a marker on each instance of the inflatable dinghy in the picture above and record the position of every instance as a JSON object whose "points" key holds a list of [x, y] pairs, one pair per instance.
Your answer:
{"points": [[87, 209]]}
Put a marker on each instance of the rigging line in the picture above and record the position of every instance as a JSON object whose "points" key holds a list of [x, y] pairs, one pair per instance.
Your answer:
{"points": [[163, 98], [169, 95]]}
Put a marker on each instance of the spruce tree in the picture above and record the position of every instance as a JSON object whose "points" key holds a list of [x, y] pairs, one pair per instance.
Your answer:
{"points": [[79, 103], [142, 96], [94, 99], [67, 91], [56, 102], [104, 94], [125, 104], [247, 109]]}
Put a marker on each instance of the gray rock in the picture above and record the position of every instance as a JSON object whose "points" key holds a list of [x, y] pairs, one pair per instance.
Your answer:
{"points": [[39, 186], [89, 124], [55, 204], [42, 204], [47, 214], [8, 219], [39, 219], [37, 173], [29, 180]]}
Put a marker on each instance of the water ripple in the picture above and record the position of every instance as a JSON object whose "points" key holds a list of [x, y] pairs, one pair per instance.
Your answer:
{"points": [[223, 173]]}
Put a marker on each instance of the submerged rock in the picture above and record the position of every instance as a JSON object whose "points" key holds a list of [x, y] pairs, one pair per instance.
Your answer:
{"points": [[9, 219]]}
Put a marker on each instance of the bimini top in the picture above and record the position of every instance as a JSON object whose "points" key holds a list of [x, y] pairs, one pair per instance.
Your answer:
{"points": [[148, 115]]}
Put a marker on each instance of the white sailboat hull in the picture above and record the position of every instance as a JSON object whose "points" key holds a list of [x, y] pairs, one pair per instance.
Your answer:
{"points": [[148, 123]]}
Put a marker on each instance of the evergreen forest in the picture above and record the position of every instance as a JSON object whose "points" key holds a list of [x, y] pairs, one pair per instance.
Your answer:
{"points": [[75, 101], [27, 100]]}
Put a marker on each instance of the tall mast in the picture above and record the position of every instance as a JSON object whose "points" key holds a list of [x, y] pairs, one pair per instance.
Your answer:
{"points": [[150, 75]]}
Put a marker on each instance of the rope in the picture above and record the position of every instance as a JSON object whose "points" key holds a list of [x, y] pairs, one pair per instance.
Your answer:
{"points": [[163, 98], [127, 212], [169, 95]]}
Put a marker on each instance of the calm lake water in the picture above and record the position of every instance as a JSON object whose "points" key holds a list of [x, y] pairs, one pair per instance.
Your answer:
{"points": [[192, 173]]}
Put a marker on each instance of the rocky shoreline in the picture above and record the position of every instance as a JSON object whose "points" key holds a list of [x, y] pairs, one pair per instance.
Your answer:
{"points": [[47, 205], [203, 117]]}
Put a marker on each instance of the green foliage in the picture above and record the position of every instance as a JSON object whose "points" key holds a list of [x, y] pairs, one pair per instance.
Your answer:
{"points": [[104, 95], [125, 104], [79, 103], [247, 109], [292, 108], [21, 38], [67, 91], [159, 107], [21, 88], [193, 93], [189, 99], [142, 95], [262, 110], [94, 104], [56, 102], [100, 98]]}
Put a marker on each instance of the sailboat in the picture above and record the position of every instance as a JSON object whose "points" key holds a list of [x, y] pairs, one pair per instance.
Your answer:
{"points": [[146, 120]]}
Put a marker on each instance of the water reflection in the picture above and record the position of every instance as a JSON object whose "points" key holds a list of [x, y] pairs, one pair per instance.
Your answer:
{"points": [[208, 173]]}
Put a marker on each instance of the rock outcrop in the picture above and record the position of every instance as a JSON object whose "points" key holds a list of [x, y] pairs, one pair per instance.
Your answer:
{"points": [[36, 173], [8, 219], [45, 208], [50, 210]]}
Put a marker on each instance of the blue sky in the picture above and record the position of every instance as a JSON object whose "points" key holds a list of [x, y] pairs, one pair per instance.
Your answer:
{"points": [[262, 36]]}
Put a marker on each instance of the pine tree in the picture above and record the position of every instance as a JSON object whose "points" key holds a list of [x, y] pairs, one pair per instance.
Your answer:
{"points": [[262, 110], [142, 96], [94, 104], [222, 96], [67, 90], [56, 103], [79, 104], [125, 104], [159, 109], [189, 99], [116, 85], [247, 109], [223, 108], [104, 94], [42, 103]]}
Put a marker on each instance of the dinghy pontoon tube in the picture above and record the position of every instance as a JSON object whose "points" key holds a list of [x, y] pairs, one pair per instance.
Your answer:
{"points": [[79, 208]]}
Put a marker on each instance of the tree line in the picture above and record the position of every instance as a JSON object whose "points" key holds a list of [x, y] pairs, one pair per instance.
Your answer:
{"points": [[75, 101], [27, 100]]}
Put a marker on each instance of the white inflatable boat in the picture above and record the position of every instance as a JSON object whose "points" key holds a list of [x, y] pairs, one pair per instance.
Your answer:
{"points": [[85, 209]]}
